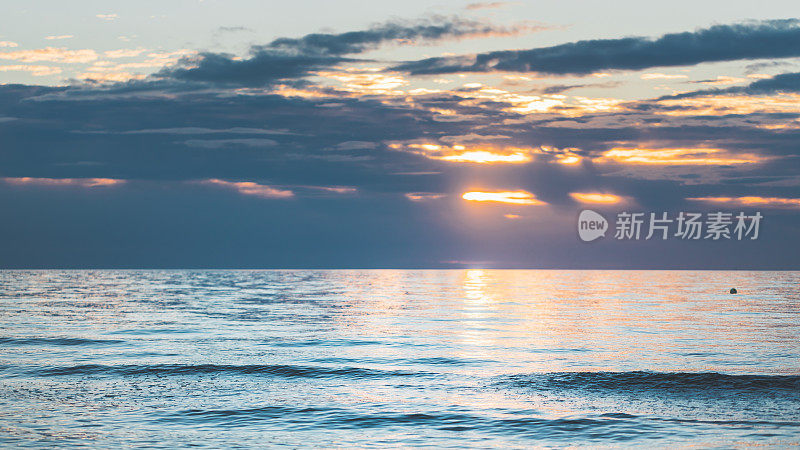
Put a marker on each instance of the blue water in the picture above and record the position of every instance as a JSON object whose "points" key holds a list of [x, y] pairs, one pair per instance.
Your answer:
{"points": [[396, 358]]}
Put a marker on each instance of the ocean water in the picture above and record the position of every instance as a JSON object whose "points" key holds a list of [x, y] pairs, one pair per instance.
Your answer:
{"points": [[399, 358]]}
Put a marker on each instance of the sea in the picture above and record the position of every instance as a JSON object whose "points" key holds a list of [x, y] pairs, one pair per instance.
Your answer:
{"points": [[468, 358]]}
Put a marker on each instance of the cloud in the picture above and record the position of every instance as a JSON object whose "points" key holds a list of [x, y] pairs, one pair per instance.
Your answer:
{"points": [[486, 5], [293, 58], [568, 158], [752, 201], [423, 196], [727, 102], [225, 143], [193, 130], [8, 44], [355, 145], [79, 182], [110, 77], [744, 41], [137, 131], [430, 30], [35, 70], [51, 54], [334, 189], [661, 76], [233, 29], [722, 80], [675, 156], [262, 68], [457, 153], [124, 53], [59, 37], [107, 16], [476, 149], [778, 84], [250, 188], [108, 71]]}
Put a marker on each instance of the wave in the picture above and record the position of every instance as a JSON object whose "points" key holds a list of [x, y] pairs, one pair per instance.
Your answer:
{"points": [[430, 361], [279, 370], [322, 343], [610, 426], [337, 418], [57, 341], [643, 380]]}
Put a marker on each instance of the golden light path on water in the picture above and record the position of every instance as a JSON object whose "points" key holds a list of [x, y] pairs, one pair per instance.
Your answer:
{"points": [[605, 317]]}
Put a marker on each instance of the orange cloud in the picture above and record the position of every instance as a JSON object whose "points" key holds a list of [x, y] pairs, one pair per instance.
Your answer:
{"points": [[538, 104], [661, 76], [124, 53], [250, 188], [423, 196], [80, 182], [675, 156], [732, 104], [51, 54], [110, 77], [366, 80], [157, 59], [776, 202], [593, 197], [394, 88], [568, 158], [334, 189], [485, 153], [723, 80], [513, 197], [476, 155], [288, 91], [35, 70]]}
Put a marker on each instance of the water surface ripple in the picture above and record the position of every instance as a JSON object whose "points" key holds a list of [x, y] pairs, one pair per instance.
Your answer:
{"points": [[399, 358]]}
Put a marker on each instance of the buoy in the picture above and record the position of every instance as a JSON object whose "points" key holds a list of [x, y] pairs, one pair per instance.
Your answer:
{"points": [[734, 291]]}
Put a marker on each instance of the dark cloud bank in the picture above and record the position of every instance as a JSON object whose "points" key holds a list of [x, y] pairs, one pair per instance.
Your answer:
{"points": [[291, 58], [757, 40], [779, 84], [164, 145]]}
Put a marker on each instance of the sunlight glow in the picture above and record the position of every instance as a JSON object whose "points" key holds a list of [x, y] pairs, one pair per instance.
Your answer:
{"points": [[458, 153], [513, 197], [486, 157], [593, 197], [568, 159]]}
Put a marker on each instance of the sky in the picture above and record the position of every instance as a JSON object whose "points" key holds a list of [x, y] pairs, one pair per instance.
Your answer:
{"points": [[349, 134]]}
